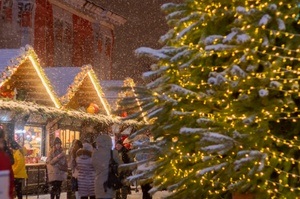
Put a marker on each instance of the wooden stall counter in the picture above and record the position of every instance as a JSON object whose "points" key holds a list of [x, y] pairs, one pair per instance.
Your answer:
{"points": [[36, 183]]}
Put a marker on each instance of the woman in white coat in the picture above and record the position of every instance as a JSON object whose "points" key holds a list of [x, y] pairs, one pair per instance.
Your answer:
{"points": [[100, 160]]}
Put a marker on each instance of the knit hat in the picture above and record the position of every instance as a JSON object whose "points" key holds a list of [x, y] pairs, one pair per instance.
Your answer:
{"points": [[88, 147], [57, 140]]}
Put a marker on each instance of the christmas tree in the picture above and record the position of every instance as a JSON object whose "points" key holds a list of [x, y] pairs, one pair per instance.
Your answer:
{"points": [[223, 100]]}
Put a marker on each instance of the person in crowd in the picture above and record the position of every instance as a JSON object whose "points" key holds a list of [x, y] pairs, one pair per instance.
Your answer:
{"points": [[18, 167], [127, 143], [76, 145], [100, 161], [5, 165], [86, 172], [9, 152], [123, 152], [57, 167]]}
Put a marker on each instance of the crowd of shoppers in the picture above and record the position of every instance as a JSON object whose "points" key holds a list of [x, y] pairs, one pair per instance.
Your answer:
{"points": [[88, 163]]}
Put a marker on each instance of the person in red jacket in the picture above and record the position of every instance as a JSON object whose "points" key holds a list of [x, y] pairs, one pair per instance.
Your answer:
{"points": [[5, 164]]}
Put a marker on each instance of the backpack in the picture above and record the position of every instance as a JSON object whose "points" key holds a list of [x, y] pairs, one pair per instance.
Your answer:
{"points": [[113, 180]]}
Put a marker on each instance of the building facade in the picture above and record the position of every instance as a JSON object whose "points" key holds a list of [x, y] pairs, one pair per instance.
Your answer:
{"points": [[62, 32]]}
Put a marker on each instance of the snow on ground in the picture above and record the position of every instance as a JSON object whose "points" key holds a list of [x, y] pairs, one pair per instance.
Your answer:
{"points": [[133, 195]]}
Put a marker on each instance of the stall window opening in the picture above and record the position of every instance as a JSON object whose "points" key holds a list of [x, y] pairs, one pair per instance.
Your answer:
{"points": [[67, 136], [31, 138]]}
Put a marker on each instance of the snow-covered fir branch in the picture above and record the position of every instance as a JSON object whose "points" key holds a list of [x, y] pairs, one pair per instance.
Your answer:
{"points": [[281, 24], [163, 53], [212, 168], [168, 99], [175, 14], [242, 38], [178, 89], [154, 113], [204, 121], [218, 148], [180, 113], [275, 84], [265, 20], [230, 36], [187, 30], [211, 39], [157, 82], [150, 74], [180, 55], [237, 71], [186, 130], [216, 137], [249, 120], [190, 61], [219, 47]]}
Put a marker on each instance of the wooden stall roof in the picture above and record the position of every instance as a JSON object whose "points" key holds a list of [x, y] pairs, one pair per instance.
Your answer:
{"points": [[78, 87], [21, 71]]}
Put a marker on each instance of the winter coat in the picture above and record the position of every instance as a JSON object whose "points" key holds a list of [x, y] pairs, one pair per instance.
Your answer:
{"points": [[18, 167], [55, 165], [123, 153], [86, 173], [5, 164], [7, 150], [72, 164], [100, 161], [77, 144]]}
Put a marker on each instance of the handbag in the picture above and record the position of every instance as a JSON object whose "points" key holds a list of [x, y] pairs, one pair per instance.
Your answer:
{"points": [[74, 184], [63, 167], [113, 179]]}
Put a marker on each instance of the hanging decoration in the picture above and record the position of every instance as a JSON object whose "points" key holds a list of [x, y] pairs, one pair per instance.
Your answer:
{"points": [[93, 108]]}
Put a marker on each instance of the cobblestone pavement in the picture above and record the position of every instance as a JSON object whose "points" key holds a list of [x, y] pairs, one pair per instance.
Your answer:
{"points": [[133, 195]]}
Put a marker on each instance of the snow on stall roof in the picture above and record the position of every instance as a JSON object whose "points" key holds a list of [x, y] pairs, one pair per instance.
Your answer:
{"points": [[6, 55], [61, 78], [110, 93]]}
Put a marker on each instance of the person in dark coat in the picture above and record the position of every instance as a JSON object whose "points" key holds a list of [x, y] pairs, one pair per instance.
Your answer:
{"points": [[123, 152], [76, 145], [5, 165], [57, 167]]}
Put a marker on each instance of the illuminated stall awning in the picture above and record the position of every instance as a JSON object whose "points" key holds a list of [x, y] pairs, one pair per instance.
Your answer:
{"points": [[17, 108], [78, 88], [22, 78]]}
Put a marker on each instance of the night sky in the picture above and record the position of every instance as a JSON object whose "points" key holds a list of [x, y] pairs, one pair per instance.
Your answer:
{"points": [[145, 24]]}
